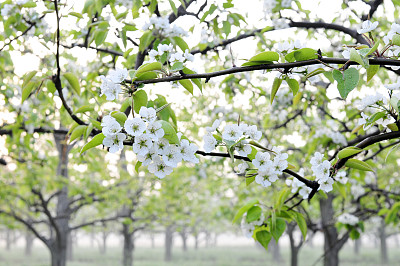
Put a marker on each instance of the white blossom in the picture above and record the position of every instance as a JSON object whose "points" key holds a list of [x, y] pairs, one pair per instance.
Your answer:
{"points": [[135, 126], [214, 126], [326, 185], [188, 151], [118, 75], [109, 88], [159, 168], [188, 56], [253, 133], [147, 158], [111, 128], [6, 10], [209, 142], [155, 130], [142, 144], [394, 86], [243, 148], [232, 132], [172, 156], [161, 146], [262, 161], [341, 177], [347, 218], [242, 167], [367, 26], [176, 57], [115, 142], [148, 114]]}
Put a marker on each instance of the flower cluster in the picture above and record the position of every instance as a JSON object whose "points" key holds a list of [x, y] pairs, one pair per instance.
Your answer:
{"points": [[321, 170], [331, 131], [347, 218], [172, 57], [232, 133], [287, 46], [111, 84], [269, 168], [248, 228], [298, 186], [150, 146], [162, 27]]}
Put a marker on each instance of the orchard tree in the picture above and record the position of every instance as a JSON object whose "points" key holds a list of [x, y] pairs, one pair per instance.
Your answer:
{"points": [[161, 79]]}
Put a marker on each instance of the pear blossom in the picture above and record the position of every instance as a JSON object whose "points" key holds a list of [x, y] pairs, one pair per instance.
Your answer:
{"points": [[147, 158], [161, 146], [6, 10], [242, 167], [209, 142], [253, 133], [111, 128], [341, 177], [214, 126], [162, 48], [394, 86], [148, 114], [243, 148], [159, 168], [232, 132], [115, 142], [118, 75], [188, 56], [188, 151], [347, 218], [155, 130], [367, 26], [176, 57], [135, 127], [109, 88], [326, 185], [142, 144], [172, 156], [262, 161]]}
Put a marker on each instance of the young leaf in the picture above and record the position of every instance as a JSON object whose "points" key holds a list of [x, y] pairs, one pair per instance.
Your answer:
{"points": [[305, 54], [253, 214], [275, 86], [315, 72], [244, 209], [356, 57], [83, 109], [96, 140], [28, 77], [77, 133], [73, 81], [278, 229], [119, 116], [357, 164], [137, 166], [148, 67], [187, 84], [293, 85], [346, 81], [301, 222], [169, 132], [263, 237], [27, 91], [139, 100], [371, 71], [349, 151], [197, 82], [265, 56], [181, 43], [145, 40]]}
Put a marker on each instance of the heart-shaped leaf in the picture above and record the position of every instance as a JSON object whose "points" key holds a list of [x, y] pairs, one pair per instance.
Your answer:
{"points": [[346, 81]]}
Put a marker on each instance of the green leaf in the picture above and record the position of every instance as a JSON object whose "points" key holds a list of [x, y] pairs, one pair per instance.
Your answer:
{"points": [[278, 229], [73, 81], [349, 151], [146, 76], [301, 222], [174, 9], [226, 27], [256, 63], [197, 82], [187, 84], [27, 77], [50, 86], [148, 67], [76, 14], [169, 132], [181, 43], [119, 116], [177, 66], [293, 85], [96, 140], [137, 166], [275, 86], [280, 200], [356, 57], [85, 108], [27, 91], [357, 164], [244, 209], [77, 133], [145, 40], [346, 81], [371, 71], [396, 39], [100, 36], [263, 237], [139, 99], [253, 214], [305, 54], [265, 56], [250, 180], [373, 49], [315, 72]]}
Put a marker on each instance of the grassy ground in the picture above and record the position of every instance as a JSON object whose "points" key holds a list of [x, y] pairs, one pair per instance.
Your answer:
{"points": [[218, 256]]}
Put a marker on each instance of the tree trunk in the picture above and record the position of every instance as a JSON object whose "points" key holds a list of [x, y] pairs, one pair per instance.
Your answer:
{"points": [[183, 235], [169, 237], [383, 243], [215, 240], [332, 243], [294, 249], [29, 238], [357, 245], [70, 255], [153, 244], [8, 239], [104, 237], [196, 240], [276, 251], [129, 245]]}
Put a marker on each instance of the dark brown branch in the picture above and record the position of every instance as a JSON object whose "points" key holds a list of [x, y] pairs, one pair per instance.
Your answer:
{"points": [[381, 149], [374, 6], [102, 50], [285, 66]]}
